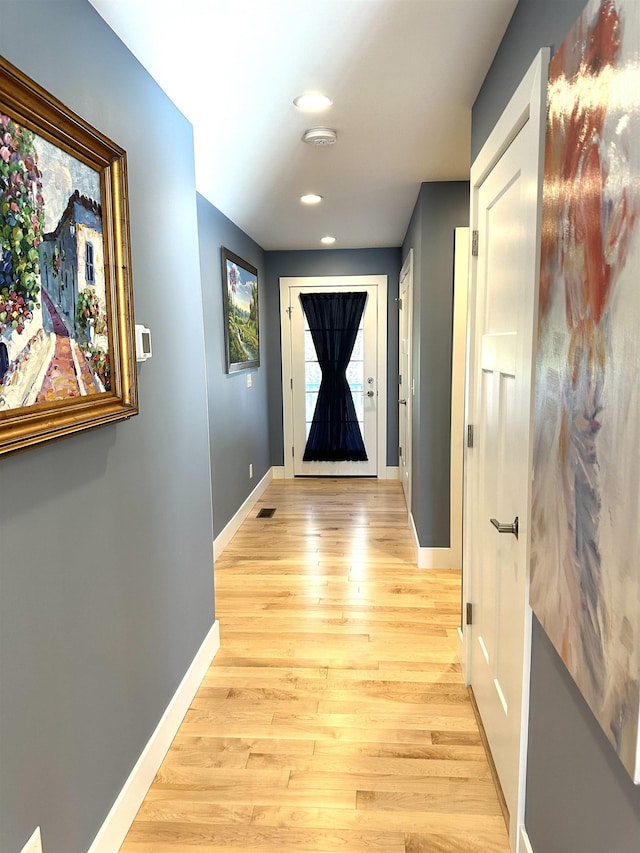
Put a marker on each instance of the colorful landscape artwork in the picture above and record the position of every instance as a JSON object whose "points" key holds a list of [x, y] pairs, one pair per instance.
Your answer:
{"points": [[54, 336], [240, 294], [585, 571]]}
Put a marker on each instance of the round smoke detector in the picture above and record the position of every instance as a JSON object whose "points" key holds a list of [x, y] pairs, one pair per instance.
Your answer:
{"points": [[319, 136]]}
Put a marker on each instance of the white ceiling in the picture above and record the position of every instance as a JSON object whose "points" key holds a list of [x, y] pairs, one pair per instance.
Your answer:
{"points": [[403, 75]]}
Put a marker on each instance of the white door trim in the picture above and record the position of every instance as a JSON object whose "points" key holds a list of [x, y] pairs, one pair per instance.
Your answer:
{"points": [[346, 281], [458, 367], [451, 557], [407, 271], [528, 104]]}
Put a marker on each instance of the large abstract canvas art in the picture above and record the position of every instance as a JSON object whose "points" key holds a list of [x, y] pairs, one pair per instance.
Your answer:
{"points": [[585, 571]]}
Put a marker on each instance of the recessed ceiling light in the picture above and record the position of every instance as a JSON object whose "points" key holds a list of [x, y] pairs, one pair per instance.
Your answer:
{"points": [[312, 102], [327, 240], [311, 198]]}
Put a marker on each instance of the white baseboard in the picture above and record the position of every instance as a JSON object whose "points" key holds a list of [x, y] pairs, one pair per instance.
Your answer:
{"points": [[433, 558], [229, 531], [118, 822], [437, 558], [389, 473], [525, 844]]}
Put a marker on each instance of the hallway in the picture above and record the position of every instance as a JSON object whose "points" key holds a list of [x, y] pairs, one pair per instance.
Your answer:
{"points": [[334, 718]]}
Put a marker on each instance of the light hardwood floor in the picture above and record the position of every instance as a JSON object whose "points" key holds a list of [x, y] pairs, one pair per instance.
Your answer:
{"points": [[334, 718]]}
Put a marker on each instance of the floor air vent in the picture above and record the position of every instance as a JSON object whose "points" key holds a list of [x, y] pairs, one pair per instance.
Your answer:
{"points": [[266, 513]]}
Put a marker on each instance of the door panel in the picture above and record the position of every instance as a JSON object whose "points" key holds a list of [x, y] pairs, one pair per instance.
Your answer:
{"points": [[497, 669], [506, 192], [361, 374], [323, 284]]}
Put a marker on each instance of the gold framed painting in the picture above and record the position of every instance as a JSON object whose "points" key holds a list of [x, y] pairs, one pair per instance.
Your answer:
{"points": [[67, 355]]}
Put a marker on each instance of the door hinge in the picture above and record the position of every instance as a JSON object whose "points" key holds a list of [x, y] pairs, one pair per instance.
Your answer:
{"points": [[292, 383], [399, 379], [399, 303], [474, 243], [469, 617], [293, 452], [400, 452], [470, 435]]}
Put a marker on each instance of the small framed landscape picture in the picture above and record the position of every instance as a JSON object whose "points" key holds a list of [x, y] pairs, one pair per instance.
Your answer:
{"points": [[240, 301]]}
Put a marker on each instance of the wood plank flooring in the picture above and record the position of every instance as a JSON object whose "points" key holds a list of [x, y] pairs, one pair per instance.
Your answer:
{"points": [[334, 718]]}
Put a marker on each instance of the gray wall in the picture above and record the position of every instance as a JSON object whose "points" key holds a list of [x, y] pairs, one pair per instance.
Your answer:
{"points": [[579, 798], [440, 208], [106, 588], [535, 24], [238, 415], [330, 262]]}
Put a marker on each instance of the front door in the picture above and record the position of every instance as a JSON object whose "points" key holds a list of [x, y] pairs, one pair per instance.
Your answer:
{"points": [[303, 373], [505, 213]]}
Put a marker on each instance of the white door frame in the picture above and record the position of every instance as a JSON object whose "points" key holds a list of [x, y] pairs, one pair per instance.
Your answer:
{"points": [[345, 281], [458, 367], [451, 557], [527, 104], [407, 451]]}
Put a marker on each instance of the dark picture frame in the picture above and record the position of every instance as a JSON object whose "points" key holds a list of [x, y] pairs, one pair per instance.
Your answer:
{"points": [[241, 315], [67, 351]]}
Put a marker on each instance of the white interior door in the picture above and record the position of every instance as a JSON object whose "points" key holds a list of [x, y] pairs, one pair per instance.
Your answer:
{"points": [[505, 212], [501, 477], [368, 374], [405, 389]]}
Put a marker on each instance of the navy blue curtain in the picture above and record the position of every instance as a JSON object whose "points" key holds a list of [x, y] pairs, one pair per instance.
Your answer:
{"points": [[333, 320]]}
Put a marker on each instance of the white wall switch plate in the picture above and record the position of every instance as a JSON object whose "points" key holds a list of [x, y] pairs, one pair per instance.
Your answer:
{"points": [[143, 343]]}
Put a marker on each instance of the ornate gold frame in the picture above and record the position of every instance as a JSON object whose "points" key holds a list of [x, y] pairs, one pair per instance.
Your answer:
{"points": [[34, 108]]}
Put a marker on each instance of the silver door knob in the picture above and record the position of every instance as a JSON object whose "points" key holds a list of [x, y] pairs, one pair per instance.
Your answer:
{"points": [[370, 393], [402, 402], [506, 528]]}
